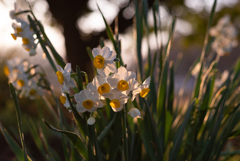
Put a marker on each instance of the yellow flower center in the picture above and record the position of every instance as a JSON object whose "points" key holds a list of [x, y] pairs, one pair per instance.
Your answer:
{"points": [[20, 82], [144, 92], [88, 104], [32, 92], [105, 88], [123, 85], [115, 103], [6, 71], [98, 62], [63, 99], [60, 77], [27, 49], [19, 29], [25, 41], [14, 37]]}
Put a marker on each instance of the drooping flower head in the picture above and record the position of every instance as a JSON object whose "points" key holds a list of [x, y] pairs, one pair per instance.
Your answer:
{"points": [[134, 113], [143, 89], [64, 77], [64, 100], [103, 61], [118, 99], [87, 101], [123, 80]]}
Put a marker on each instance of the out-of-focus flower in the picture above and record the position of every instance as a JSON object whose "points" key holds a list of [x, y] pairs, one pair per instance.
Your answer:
{"points": [[33, 90], [118, 99], [64, 77], [134, 112], [24, 31], [22, 81], [103, 61], [225, 36], [13, 12], [91, 120], [223, 78], [143, 89], [123, 80], [87, 101], [64, 100]]}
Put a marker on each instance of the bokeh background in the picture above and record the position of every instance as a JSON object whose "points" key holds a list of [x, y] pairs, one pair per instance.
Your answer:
{"points": [[74, 25]]}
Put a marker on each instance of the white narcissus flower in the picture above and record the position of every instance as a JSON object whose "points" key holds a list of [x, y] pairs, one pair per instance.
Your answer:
{"points": [[91, 120], [225, 35], [64, 100], [64, 77], [87, 101], [22, 81], [103, 61], [100, 85], [33, 90], [223, 78], [123, 80], [135, 113], [24, 31], [16, 10], [143, 89], [118, 99]]}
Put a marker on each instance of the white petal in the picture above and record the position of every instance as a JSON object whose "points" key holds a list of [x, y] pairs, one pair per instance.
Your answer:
{"points": [[68, 67], [122, 72], [106, 52], [60, 68], [96, 51], [104, 72], [134, 112], [117, 109], [80, 97], [113, 80], [147, 81], [111, 67], [80, 108], [91, 120], [71, 83], [135, 92]]}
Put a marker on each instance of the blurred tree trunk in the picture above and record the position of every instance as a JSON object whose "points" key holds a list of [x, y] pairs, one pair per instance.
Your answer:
{"points": [[67, 12]]}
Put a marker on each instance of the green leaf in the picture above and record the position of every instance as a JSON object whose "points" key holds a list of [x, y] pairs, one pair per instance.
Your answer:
{"points": [[75, 139], [210, 145], [12, 143], [111, 37], [106, 130], [19, 119], [82, 124], [157, 144], [116, 138], [179, 135], [79, 76], [171, 89], [42, 43], [139, 27]]}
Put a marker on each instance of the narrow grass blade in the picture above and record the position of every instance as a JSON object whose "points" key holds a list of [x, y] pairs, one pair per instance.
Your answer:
{"points": [[125, 134], [75, 139], [111, 37], [106, 130], [12, 143], [179, 135], [19, 119], [34, 27], [36, 136], [82, 124], [208, 150], [171, 89], [139, 27], [79, 78], [116, 139], [158, 147]]}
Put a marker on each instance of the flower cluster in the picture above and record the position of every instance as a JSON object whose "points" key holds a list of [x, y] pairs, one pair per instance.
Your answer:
{"points": [[225, 36], [111, 83], [18, 72], [23, 30]]}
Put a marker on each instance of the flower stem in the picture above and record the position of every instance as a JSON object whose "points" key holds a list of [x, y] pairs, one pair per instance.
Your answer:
{"points": [[125, 135]]}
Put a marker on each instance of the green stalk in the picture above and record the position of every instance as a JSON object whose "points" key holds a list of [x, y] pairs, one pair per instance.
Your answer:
{"points": [[125, 132]]}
